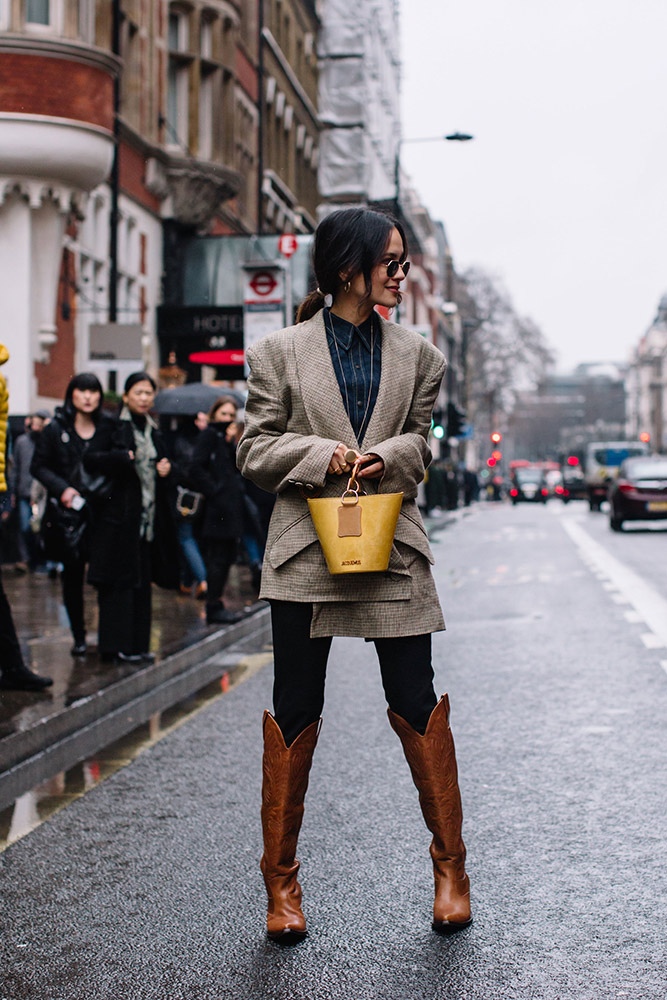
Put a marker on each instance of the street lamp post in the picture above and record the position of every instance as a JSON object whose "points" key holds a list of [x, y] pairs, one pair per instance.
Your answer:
{"points": [[452, 137]]}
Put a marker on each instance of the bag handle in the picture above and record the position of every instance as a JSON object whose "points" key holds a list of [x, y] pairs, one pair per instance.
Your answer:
{"points": [[353, 486]]}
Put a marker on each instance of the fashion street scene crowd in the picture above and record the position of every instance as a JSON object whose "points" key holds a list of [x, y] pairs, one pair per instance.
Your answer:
{"points": [[113, 499]]}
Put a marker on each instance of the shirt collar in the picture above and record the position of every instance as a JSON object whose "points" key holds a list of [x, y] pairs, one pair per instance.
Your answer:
{"points": [[344, 332]]}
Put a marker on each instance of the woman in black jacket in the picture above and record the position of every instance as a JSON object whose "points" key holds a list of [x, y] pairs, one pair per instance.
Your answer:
{"points": [[213, 472], [56, 463], [134, 538]]}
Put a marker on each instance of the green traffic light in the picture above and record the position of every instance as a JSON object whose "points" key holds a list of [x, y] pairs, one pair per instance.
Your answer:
{"points": [[438, 432]]}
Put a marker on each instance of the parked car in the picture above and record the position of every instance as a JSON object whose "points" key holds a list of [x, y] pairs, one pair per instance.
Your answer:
{"points": [[640, 491], [529, 484], [603, 460]]}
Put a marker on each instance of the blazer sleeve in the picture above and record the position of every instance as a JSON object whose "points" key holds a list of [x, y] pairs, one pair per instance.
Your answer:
{"points": [[407, 456], [270, 455]]}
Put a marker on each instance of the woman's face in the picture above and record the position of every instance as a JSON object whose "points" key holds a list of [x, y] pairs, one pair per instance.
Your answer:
{"points": [[139, 399], [85, 400], [225, 413], [384, 290]]}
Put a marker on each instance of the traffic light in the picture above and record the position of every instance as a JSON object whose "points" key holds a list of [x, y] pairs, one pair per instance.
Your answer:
{"points": [[645, 437], [456, 419], [437, 425], [496, 437]]}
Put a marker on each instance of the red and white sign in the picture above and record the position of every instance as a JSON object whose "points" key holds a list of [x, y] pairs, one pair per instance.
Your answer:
{"points": [[287, 244], [263, 283], [217, 357]]}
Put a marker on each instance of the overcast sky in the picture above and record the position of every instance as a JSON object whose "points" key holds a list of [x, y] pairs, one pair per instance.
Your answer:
{"points": [[563, 193]]}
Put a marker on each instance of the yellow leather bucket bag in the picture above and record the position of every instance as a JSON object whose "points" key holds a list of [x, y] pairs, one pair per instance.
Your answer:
{"points": [[356, 532]]}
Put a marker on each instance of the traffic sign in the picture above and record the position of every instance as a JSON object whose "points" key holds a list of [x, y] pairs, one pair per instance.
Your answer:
{"points": [[287, 244], [263, 283]]}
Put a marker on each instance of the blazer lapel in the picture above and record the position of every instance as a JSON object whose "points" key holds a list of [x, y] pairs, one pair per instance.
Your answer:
{"points": [[396, 386], [319, 387]]}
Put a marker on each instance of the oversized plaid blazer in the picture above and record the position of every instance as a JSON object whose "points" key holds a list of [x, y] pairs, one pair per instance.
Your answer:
{"points": [[295, 418]]}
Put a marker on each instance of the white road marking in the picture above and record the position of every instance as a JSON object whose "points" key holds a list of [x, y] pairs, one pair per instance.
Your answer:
{"points": [[632, 616], [619, 598], [644, 598], [653, 641], [663, 664]]}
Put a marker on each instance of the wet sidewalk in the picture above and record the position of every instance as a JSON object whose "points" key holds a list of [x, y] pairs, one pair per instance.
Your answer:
{"points": [[92, 703]]}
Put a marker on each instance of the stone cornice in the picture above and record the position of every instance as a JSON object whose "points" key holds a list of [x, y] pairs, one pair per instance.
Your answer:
{"points": [[54, 48]]}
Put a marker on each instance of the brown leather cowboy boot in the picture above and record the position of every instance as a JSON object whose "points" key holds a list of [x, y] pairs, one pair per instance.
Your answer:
{"points": [[284, 787], [432, 761]]}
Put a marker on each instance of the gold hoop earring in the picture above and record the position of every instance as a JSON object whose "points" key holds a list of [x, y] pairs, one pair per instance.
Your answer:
{"points": [[347, 286]]}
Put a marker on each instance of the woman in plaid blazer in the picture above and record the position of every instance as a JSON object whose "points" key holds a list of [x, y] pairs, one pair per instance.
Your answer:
{"points": [[346, 380]]}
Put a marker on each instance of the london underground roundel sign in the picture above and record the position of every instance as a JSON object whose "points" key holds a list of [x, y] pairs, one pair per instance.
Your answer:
{"points": [[263, 283]]}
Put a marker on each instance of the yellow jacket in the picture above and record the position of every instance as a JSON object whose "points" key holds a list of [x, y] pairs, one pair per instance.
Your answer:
{"points": [[4, 412]]}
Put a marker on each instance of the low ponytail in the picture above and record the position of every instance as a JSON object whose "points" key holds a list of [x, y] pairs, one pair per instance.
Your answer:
{"points": [[310, 305]]}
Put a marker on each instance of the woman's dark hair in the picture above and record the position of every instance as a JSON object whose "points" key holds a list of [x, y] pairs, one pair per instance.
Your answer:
{"points": [[138, 377], [220, 401], [83, 381], [348, 242]]}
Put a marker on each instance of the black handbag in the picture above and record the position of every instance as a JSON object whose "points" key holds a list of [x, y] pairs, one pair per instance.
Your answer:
{"points": [[63, 532], [91, 485]]}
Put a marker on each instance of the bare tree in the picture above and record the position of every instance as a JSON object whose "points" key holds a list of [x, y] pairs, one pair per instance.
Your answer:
{"points": [[504, 353]]}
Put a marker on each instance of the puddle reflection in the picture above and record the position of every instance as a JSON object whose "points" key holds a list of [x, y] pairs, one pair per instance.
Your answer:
{"points": [[39, 804]]}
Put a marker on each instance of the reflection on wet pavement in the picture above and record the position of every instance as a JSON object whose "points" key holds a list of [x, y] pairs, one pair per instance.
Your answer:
{"points": [[39, 614], [39, 804]]}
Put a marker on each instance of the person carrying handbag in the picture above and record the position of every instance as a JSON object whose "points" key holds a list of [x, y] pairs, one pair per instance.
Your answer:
{"points": [[345, 387], [57, 464]]}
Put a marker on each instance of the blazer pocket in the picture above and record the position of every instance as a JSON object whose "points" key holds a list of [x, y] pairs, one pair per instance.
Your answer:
{"points": [[295, 537], [412, 533]]}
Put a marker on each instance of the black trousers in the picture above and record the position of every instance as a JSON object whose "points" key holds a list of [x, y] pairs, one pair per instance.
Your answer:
{"points": [[72, 582], [11, 658], [300, 665], [125, 613], [220, 554]]}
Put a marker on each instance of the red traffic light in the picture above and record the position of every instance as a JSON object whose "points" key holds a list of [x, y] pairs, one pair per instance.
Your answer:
{"points": [[573, 460], [645, 437], [497, 455], [490, 462], [496, 437]]}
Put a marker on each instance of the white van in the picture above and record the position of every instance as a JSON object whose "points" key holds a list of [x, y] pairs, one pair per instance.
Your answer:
{"points": [[601, 465]]}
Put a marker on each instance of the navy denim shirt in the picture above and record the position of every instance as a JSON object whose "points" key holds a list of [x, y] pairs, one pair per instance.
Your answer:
{"points": [[352, 365]]}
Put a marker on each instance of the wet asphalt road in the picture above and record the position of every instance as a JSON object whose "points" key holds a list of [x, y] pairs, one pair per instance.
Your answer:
{"points": [[148, 888]]}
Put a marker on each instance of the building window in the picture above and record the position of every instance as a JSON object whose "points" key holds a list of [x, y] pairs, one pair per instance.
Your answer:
{"points": [[4, 15], [206, 115], [44, 15], [178, 80], [37, 12]]}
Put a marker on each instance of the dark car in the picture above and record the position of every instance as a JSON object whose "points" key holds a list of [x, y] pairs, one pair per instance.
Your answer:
{"points": [[573, 486], [528, 483], [640, 492]]}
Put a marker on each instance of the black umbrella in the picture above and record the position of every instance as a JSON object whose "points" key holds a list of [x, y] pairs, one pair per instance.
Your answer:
{"points": [[194, 397]]}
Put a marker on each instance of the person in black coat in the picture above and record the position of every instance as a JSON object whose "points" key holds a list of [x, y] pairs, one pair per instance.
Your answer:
{"points": [[134, 537], [56, 463], [213, 472]]}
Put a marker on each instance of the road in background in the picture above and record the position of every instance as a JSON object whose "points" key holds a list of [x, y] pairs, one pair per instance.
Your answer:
{"points": [[148, 887]]}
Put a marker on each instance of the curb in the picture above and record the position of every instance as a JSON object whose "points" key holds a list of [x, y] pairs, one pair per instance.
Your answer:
{"points": [[34, 755]]}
